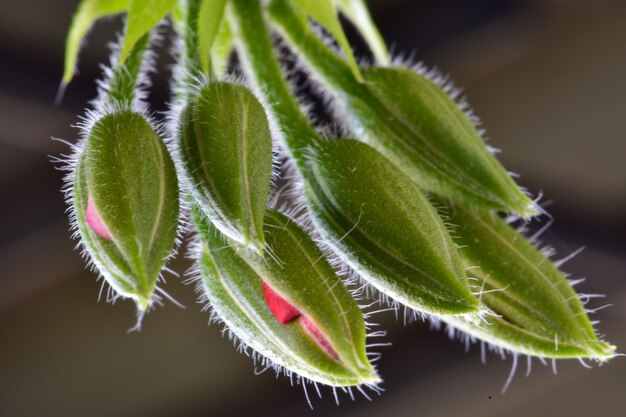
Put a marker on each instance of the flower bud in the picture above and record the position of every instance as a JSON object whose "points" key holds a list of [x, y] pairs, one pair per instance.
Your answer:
{"points": [[378, 221], [289, 307], [417, 125], [126, 203], [537, 312], [225, 146], [408, 118]]}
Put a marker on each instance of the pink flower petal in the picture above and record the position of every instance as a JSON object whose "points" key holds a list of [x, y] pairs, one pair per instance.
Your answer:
{"points": [[94, 221], [319, 337], [280, 308], [286, 312]]}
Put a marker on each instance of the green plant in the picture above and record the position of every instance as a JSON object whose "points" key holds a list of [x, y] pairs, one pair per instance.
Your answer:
{"points": [[411, 205]]}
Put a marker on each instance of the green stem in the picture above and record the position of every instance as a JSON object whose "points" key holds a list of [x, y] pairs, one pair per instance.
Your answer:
{"points": [[461, 170], [121, 91], [333, 70], [258, 57], [357, 12], [191, 53]]}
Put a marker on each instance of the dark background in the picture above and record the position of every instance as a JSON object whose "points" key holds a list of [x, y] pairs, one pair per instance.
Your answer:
{"points": [[546, 77]]}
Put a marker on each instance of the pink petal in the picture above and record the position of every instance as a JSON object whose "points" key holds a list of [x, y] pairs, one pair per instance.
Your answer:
{"points": [[319, 337], [94, 221], [286, 312], [280, 308]]}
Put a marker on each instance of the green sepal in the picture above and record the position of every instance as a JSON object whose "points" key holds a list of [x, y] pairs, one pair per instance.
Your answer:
{"points": [[143, 15], [87, 13], [357, 12], [537, 312], [324, 12], [232, 278], [126, 170], [379, 222], [225, 146]]}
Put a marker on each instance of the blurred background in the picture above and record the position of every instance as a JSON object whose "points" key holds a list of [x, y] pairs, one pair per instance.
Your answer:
{"points": [[547, 79]]}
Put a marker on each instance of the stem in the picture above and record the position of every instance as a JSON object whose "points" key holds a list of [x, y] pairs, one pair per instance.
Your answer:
{"points": [[333, 70], [191, 53], [257, 55], [357, 12], [121, 91], [188, 55]]}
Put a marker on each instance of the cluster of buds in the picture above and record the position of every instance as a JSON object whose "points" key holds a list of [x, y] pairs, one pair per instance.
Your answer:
{"points": [[412, 205]]}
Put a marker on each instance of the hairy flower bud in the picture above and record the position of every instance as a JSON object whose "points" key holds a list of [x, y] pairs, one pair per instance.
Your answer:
{"points": [[537, 312], [423, 130], [377, 220], [226, 149], [288, 305], [126, 204], [410, 119]]}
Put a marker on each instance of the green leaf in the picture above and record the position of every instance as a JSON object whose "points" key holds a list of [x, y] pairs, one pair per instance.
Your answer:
{"points": [[233, 278], [129, 176], [324, 13], [222, 48], [143, 15], [377, 220], [177, 14], [87, 13], [226, 151], [209, 23], [537, 310], [356, 11]]}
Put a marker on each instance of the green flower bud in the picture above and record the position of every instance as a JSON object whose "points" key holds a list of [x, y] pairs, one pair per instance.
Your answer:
{"points": [[378, 221], [289, 307], [126, 205], [425, 132], [410, 119], [537, 312], [225, 146]]}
